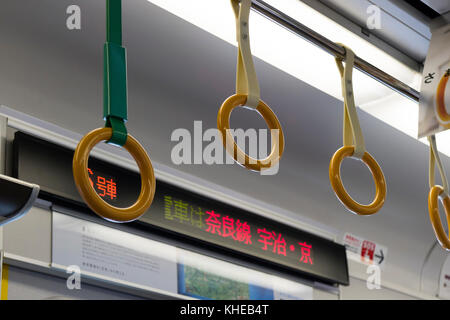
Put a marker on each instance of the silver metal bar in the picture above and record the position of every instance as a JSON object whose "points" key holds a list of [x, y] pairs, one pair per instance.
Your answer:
{"points": [[334, 49]]}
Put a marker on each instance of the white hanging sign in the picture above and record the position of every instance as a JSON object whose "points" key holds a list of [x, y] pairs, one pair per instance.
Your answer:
{"points": [[434, 109]]}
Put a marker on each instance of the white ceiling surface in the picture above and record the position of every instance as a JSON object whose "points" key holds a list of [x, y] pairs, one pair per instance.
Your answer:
{"points": [[402, 26], [178, 74]]}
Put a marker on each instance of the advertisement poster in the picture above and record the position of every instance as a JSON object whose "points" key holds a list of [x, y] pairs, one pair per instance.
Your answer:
{"points": [[434, 109]]}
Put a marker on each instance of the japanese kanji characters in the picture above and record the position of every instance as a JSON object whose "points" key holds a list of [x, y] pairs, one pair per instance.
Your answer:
{"points": [[180, 212], [106, 188], [183, 212], [197, 214], [168, 205], [277, 242], [306, 253], [242, 232], [226, 226], [213, 222]]}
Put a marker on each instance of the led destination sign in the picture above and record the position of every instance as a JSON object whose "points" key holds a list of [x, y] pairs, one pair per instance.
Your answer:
{"points": [[104, 185], [185, 212]]}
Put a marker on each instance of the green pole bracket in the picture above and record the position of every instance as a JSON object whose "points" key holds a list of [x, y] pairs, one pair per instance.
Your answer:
{"points": [[115, 109]]}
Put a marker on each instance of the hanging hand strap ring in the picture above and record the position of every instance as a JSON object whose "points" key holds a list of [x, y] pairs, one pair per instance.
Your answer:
{"points": [[248, 95], [115, 132], [354, 146], [441, 110], [437, 192]]}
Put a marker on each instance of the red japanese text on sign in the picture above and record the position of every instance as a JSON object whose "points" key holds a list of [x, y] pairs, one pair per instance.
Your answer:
{"points": [[105, 188], [368, 249], [242, 232], [228, 227], [276, 242], [306, 253], [213, 222]]}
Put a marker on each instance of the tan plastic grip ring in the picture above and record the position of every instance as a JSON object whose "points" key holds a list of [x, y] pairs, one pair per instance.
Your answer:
{"points": [[440, 102], [223, 124], [89, 195], [433, 210], [341, 193]]}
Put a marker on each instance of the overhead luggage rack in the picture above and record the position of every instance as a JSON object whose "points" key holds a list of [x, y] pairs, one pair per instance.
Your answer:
{"points": [[334, 49]]}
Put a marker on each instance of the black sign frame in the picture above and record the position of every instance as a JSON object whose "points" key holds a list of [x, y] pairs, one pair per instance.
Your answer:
{"points": [[49, 165]]}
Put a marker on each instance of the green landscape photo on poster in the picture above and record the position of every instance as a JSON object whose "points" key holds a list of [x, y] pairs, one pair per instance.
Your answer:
{"points": [[205, 285]]}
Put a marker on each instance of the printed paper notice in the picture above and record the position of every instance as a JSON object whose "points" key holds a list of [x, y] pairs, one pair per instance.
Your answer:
{"points": [[112, 253], [444, 281]]}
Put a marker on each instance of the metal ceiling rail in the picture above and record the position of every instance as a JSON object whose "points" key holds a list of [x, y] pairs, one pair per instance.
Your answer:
{"points": [[334, 49]]}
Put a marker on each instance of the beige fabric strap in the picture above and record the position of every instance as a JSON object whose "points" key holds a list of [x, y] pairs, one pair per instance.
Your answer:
{"points": [[246, 79], [352, 130], [434, 158]]}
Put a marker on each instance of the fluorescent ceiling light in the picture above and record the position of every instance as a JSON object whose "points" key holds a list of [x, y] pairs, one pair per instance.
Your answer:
{"points": [[303, 60]]}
